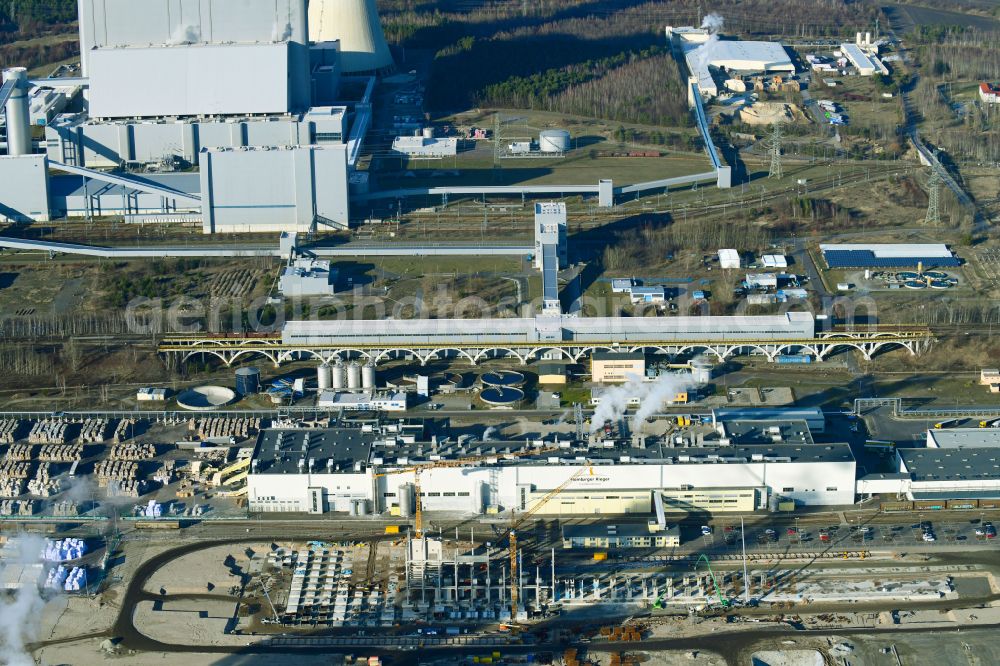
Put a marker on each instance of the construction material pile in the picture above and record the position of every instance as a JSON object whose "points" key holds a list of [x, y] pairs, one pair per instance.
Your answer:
{"points": [[94, 431], [8, 431], [152, 510], [43, 485], [218, 427], [60, 452], [133, 451], [165, 474], [64, 550], [48, 431], [68, 580]]}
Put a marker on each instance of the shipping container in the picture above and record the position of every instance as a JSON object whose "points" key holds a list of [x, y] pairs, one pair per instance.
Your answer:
{"points": [[963, 504], [794, 358], [897, 506], [928, 505], [392, 529]]}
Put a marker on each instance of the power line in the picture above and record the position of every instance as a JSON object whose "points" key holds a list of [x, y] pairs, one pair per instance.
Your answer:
{"points": [[775, 149], [933, 216]]}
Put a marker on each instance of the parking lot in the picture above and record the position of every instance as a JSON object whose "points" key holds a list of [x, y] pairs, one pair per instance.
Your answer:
{"points": [[726, 536]]}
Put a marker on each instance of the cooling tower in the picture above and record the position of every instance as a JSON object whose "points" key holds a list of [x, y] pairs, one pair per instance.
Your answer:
{"points": [[355, 23]]}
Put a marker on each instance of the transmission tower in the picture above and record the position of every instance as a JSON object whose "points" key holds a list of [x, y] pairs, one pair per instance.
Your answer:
{"points": [[933, 216], [775, 149]]}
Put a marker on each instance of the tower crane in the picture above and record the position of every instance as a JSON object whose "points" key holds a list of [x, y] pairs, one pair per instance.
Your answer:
{"points": [[518, 520], [416, 470]]}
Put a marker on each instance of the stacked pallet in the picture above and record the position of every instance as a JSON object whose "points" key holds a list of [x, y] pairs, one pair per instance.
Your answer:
{"points": [[11, 486], [116, 470], [60, 452], [44, 485], [15, 469], [48, 431], [94, 431], [19, 452], [123, 430], [215, 427], [17, 508], [65, 509], [133, 451], [8, 430]]}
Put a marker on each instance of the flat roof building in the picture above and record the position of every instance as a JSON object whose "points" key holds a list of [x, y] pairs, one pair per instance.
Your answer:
{"points": [[888, 255], [990, 377], [963, 438], [308, 277], [967, 473], [812, 416], [627, 535], [297, 470], [617, 367]]}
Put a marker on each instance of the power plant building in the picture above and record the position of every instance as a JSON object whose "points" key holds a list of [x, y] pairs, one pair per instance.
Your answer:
{"points": [[233, 87], [181, 58]]}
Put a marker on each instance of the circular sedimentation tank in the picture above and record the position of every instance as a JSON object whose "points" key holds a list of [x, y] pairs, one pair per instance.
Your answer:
{"points": [[936, 275], [456, 380], [501, 396], [914, 284], [503, 378], [205, 398], [907, 275], [940, 284]]}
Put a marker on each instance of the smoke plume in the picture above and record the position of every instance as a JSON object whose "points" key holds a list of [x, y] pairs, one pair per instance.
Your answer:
{"points": [[490, 434], [713, 23], [21, 609], [186, 34], [651, 395]]}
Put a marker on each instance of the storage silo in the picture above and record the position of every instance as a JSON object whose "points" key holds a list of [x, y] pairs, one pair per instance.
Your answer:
{"points": [[324, 377], [248, 380], [18, 113], [406, 500], [427, 133], [339, 376], [353, 376], [368, 377], [362, 507], [554, 141], [356, 25]]}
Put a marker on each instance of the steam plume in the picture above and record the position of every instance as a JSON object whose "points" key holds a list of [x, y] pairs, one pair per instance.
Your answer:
{"points": [[651, 395], [20, 611]]}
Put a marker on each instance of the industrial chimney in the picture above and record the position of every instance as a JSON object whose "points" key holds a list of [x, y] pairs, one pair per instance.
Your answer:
{"points": [[356, 25], [17, 113]]}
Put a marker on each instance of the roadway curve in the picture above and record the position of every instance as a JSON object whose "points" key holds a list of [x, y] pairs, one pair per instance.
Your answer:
{"points": [[733, 649]]}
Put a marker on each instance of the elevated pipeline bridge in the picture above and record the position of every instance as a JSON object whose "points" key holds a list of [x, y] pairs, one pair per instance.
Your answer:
{"points": [[229, 349]]}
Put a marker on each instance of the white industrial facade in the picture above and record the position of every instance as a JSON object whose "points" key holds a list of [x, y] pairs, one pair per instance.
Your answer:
{"points": [[603, 481], [189, 80], [25, 187], [219, 44], [260, 190]]}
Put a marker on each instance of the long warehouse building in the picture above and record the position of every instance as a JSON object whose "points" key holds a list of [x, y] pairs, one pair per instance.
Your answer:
{"points": [[331, 469], [547, 329]]}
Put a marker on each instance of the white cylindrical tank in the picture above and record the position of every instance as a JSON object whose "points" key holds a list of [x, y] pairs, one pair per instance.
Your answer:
{"points": [[554, 141], [428, 132], [324, 377], [406, 500], [368, 376], [339, 377], [701, 371], [362, 507], [353, 376], [18, 114]]}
